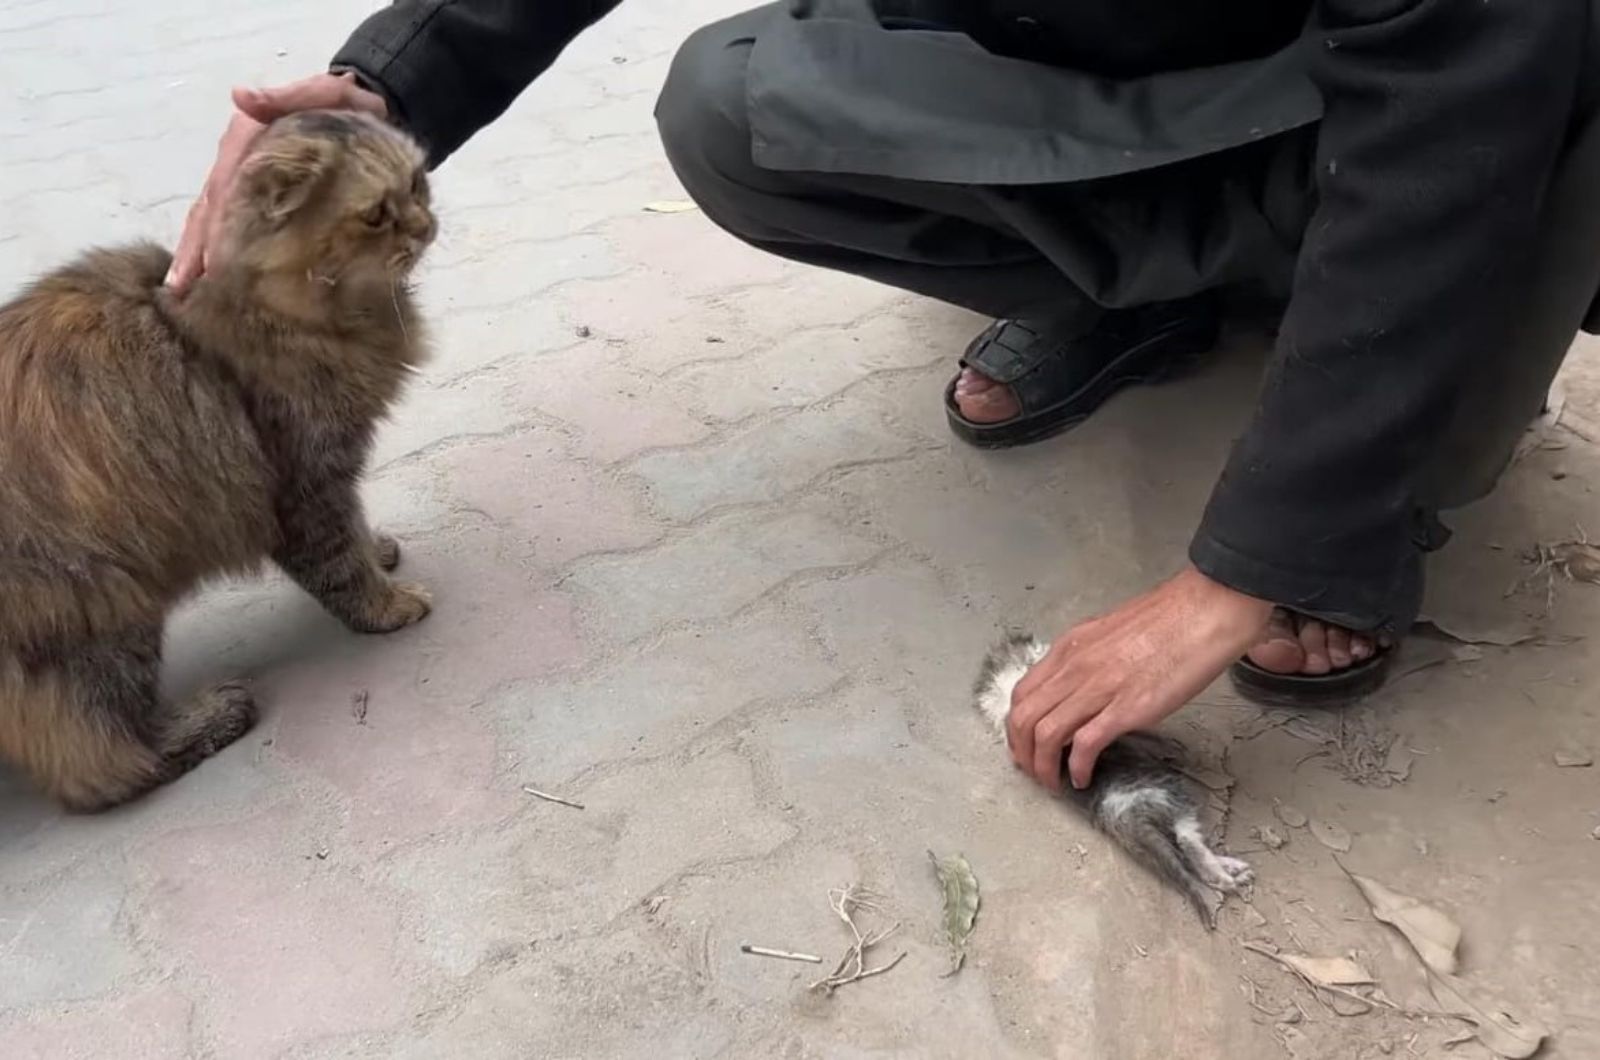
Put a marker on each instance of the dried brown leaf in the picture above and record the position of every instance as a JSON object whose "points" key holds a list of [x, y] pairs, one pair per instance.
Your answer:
{"points": [[1330, 835], [1431, 933], [1290, 815], [1508, 635], [1329, 971], [1503, 1033]]}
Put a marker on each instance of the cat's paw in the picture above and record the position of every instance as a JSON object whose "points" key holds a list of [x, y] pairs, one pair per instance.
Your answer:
{"points": [[405, 604], [229, 711], [387, 550]]}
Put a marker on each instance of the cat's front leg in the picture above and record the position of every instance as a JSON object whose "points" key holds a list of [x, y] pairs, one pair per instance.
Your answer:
{"points": [[327, 548]]}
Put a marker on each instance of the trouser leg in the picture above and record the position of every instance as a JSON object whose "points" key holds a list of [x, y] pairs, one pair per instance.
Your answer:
{"points": [[1017, 251]]}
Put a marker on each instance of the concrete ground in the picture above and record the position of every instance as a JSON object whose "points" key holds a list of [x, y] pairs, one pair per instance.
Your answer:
{"points": [[707, 562]]}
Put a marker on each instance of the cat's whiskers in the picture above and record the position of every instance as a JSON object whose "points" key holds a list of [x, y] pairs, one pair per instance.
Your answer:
{"points": [[399, 315]]}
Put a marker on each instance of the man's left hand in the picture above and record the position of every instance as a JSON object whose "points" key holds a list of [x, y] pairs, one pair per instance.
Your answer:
{"points": [[1128, 670]]}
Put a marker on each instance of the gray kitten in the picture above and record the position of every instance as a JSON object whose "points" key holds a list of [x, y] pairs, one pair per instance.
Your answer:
{"points": [[1137, 797]]}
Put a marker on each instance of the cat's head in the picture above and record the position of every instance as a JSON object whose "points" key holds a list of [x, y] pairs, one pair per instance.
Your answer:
{"points": [[337, 195]]}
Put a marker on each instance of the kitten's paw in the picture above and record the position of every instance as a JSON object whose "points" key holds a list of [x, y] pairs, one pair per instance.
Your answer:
{"points": [[388, 551], [406, 604], [1238, 868]]}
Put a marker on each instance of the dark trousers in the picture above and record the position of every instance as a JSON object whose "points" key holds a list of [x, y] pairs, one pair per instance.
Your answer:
{"points": [[1231, 218]]}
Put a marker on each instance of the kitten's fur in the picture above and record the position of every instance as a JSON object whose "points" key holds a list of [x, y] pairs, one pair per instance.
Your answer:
{"points": [[1137, 797], [148, 443]]}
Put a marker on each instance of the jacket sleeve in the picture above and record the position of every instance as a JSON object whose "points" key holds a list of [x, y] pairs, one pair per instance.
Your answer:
{"points": [[1443, 125], [450, 67]]}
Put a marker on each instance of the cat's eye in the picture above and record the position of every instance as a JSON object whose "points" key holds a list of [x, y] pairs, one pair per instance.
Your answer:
{"points": [[377, 216]]}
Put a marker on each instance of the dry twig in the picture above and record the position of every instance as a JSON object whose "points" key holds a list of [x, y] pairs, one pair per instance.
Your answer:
{"points": [[846, 902], [782, 955], [553, 798]]}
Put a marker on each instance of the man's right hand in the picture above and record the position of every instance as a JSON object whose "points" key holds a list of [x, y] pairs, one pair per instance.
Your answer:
{"points": [[256, 108]]}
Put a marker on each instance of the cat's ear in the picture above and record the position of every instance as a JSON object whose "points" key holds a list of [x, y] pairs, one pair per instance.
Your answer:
{"points": [[281, 178]]}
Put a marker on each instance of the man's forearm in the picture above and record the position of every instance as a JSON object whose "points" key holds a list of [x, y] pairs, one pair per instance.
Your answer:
{"points": [[449, 67], [1444, 123]]}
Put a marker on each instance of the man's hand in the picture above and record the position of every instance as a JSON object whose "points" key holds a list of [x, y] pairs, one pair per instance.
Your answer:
{"points": [[1127, 670], [256, 108]]}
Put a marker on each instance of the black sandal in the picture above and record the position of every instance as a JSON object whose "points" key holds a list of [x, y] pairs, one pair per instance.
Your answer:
{"points": [[1340, 688], [1060, 381]]}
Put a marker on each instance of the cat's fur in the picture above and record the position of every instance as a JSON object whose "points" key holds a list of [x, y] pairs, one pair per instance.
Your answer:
{"points": [[1137, 797], [148, 443]]}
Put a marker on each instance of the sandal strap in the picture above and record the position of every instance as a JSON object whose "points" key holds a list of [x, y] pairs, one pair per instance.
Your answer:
{"points": [[1007, 350]]}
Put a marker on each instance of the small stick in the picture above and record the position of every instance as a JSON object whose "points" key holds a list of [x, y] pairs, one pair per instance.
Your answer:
{"points": [[782, 955], [553, 798]]}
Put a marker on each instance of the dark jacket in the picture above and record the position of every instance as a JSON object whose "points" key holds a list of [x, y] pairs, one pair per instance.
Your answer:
{"points": [[1441, 124]]}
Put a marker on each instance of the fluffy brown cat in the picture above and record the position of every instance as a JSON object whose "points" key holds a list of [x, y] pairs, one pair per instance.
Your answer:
{"points": [[149, 443]]}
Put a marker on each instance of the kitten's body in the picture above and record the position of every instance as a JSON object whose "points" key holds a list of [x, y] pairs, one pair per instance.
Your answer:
{"points": [[149, 443], [1138, 797]]}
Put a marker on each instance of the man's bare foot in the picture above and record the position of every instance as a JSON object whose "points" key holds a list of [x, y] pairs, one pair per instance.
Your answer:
{"points": [[1295, 645]]}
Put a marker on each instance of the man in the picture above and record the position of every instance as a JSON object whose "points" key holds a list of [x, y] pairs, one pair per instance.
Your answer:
{"points": [[1090, 173]]}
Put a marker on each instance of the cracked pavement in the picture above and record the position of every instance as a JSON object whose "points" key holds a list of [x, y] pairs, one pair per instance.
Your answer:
{"points": [[706, 561]]}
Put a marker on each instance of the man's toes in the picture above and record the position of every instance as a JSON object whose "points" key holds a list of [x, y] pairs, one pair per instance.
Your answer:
{"points": [[1279, 651], [992, 404], [1362, 647], [1339, 653], [971, 381], [1314, 639]]}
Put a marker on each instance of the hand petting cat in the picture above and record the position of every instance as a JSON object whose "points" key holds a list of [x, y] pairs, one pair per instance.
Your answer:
{"points": [[255, 109], [1126, 671]]}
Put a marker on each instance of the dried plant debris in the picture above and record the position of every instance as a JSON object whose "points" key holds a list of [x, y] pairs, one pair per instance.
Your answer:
{"points": [[782, 955], [547, 797], [670, 206], [1338, 981], [1357, 745], [1269, 837], [1333, 836], [1431, 933], [959, 887], [1290, 815], [1434, 937], [848, 903], [1501, 1032], [1577, 561], [358, 706], [1506, 635]]}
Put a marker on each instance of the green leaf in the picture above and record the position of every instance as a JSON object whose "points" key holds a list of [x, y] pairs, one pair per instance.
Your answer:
{"points": [[960, 888]]}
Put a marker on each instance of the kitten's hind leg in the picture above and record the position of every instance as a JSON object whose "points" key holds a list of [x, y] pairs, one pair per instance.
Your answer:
{"points": [[1149, 842], [329, 551], [1219, 871], [91, 727]]}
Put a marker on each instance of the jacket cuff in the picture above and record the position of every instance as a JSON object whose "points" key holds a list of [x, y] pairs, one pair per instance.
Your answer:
{"points": [[379, 71], [367, 81]]}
